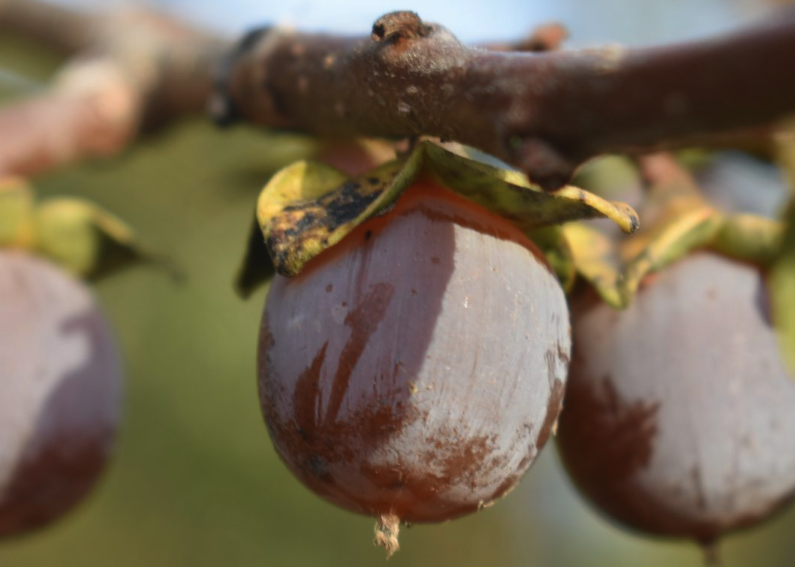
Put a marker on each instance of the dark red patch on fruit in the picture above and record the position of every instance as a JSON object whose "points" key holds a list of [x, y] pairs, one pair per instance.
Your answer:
{"points": [[51, 483]]}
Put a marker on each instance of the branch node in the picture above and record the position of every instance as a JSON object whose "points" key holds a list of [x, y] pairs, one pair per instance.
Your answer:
{"points": [[396, 26]]}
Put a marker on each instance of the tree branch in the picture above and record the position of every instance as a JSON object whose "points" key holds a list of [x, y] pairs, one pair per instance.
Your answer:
{"points": [[61, 29], [136, 70], [546, 37], [544, 113]]}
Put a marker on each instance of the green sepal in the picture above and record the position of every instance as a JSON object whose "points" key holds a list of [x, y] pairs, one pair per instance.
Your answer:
{"points": [[88, 241], [308, 207], [16, 213], [509, 194]]}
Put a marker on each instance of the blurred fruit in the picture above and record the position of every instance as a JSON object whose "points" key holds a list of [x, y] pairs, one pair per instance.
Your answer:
{"points": [[414, 370], [60, 392], [680, 415]]}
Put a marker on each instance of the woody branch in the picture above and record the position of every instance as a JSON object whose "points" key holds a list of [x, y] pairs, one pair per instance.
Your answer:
{"points": [[542, 112]]}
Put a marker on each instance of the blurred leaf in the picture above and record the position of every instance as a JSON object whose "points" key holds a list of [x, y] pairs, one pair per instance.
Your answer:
{"points": [[782, 285], [551, 240], [667, 242], [694, 159], [782, 277], [308, 207], [609, 177], [749, 238], [677, 219], [12, 83], [672, 189], [16, 213], [597, 259], [88, 241]]}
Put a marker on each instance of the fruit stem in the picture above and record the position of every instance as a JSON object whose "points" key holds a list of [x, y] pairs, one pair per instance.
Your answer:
{"points": [[387, 529]]}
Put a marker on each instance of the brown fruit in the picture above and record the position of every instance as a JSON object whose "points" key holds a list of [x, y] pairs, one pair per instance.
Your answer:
{"points": [[60, 390], [416, 369], [680, 416]]}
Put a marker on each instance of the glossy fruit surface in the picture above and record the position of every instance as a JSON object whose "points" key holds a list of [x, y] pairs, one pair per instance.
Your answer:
{"points": [[416, 368], [680, 416], [60, 392]]}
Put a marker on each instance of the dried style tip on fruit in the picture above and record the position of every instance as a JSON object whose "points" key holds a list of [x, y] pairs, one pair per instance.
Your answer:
{"points": [[60, 392], [679, 411], [413, 371]]}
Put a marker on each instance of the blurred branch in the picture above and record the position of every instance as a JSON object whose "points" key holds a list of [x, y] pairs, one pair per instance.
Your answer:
{"points": [[64, 30], [131, 71], [543, 112], [92, 110], [546, 37]]}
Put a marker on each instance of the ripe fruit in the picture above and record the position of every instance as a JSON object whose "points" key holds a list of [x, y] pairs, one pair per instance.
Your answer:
{"points": [[680, 415], [415, 370], [60, 392]]}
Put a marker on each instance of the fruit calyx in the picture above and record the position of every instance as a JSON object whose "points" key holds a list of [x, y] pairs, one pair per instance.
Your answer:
{"points": [[308, 207], [75, 234], [679, 221]]}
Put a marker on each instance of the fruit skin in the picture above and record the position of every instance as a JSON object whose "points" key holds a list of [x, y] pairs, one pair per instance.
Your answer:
{"points": [[680, 415], [60, 392], [417, 368]]}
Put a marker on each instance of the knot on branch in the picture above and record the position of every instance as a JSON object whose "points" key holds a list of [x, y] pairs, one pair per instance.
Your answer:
{"points": [[399, 25]]}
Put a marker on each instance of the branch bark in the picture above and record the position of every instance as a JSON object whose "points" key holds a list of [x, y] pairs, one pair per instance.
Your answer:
{"points": [[61, 29], [130, 72], [544, 113]]}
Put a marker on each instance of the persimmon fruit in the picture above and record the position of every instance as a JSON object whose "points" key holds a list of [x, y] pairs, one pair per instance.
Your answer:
{"points": [[680, 413], [60, 393], [415, 370]]}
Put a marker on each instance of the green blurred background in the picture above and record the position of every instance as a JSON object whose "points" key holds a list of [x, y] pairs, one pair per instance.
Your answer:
{"points": [[195, 481]]}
